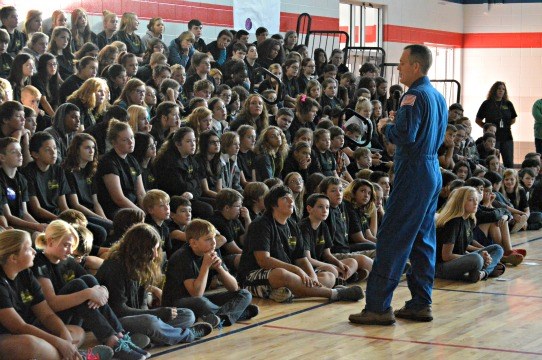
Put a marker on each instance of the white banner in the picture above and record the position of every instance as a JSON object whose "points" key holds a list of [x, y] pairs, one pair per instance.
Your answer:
{"points": [[251, 14]]}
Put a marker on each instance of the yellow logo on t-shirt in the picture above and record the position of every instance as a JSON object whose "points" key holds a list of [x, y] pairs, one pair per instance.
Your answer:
{"points": [[89, 180], [53, 185], [133, 171], [68, 276], [292, 241], [320, 241], [26, 297]]}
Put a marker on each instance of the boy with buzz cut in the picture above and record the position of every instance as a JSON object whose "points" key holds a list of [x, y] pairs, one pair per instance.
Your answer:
{"points": [[229, 204], [14, 187], [47, 183], [189, 275], [156, 207], [319, 241], [274, 264]]}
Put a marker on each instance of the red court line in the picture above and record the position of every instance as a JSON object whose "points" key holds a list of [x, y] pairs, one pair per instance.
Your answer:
{"points": [[432, 343]]}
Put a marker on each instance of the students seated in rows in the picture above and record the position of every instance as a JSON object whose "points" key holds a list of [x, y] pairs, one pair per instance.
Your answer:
{"points": [[80, 167], [319, 241], [274, 265], [76, 296], [189, 275], [14, 188], [492, 223], [338, 224], [178, 173], [227, 220], [118, 176], [23, 304], [459, 256], [132, 270], [47, 183], [156, 206]]}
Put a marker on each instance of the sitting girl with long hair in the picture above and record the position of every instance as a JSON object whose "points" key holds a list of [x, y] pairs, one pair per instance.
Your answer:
{"points": [[459, 256], [133, 269], [75, 295]]}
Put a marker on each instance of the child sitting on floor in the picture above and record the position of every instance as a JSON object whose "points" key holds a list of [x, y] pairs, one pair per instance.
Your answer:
{"points": [[459, 256], [189, 275]]}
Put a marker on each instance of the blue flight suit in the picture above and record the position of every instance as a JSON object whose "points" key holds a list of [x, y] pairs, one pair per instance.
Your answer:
{"points": [[408, 226]]}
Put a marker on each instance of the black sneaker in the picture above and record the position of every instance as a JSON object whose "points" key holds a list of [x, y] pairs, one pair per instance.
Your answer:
{"points": [[211, 319], [138, 342], [250, 312], [200, 329], [123, 351], [353, 293]]}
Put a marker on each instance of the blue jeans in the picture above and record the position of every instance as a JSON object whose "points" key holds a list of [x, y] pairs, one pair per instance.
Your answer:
{"points": [[227, 305], [102, 321], [457, 268], [160, 332]]}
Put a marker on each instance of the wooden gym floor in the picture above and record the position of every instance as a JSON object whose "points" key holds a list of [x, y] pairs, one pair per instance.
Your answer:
{"points": [[497, 319]]}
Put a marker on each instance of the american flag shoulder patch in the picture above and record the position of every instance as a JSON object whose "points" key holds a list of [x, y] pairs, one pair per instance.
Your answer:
{"points": [[408, 100]]}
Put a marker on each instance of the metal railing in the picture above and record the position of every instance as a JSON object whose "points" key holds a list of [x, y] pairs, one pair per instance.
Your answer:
{"points": [[326, 39], [355, 56], [262, 71], [450, 89]]}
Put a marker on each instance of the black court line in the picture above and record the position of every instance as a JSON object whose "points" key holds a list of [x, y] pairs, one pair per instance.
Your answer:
{"points": [[261, 323], [490, 293], [528, 241]]}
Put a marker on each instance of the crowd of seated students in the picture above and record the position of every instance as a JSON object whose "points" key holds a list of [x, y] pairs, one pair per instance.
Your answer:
{"points": [[126, 161]]}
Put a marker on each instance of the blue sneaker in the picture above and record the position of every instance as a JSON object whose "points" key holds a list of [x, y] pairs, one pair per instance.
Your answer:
{"points": [[138, 342], [123, 351]]}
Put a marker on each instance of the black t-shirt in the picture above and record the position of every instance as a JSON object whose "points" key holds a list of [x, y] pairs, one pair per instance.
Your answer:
{"points": [[457, 231], [183, 265], [232, 230], [338, 227], [326, 160], [83, 187], [172, 226], [212, 178], [17, 41], [495, 111], [177, 175], [65, 69], [20, 294], [5, 65], [357, 220], [47, 186], [163, 230], [191, 80], [246, 163], [126, 169], [283, 242], [14, 192], [520, 204], [68, 87], [60, 274], [316, 241], [133, 42]]}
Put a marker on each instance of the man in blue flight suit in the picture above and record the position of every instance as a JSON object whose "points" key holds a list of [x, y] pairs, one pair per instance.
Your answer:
{"points": [[408, 227]]}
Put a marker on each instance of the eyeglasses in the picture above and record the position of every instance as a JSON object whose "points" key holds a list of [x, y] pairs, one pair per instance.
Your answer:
{"points": [[298, 181], [214, 142]]}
